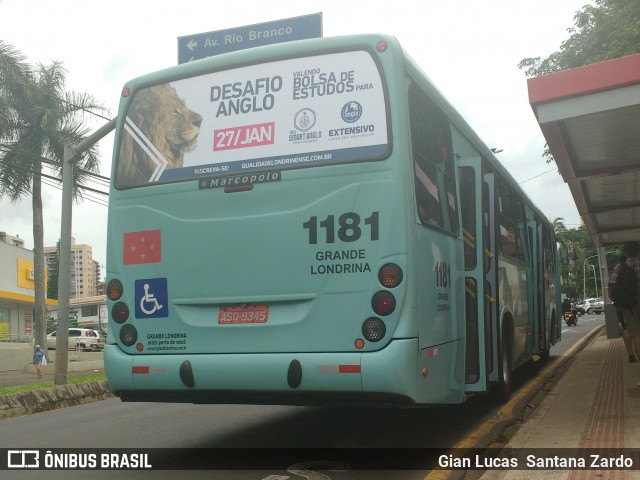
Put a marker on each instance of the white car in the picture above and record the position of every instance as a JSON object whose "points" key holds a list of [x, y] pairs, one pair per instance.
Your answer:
{"points": [[79, 338], [590, 305]]}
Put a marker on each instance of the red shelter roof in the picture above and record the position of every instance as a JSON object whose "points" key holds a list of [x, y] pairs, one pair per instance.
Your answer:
{"points": [[590, 117]]}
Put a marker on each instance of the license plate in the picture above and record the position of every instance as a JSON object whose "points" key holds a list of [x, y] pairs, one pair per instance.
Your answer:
{"points": [[243, 314]]}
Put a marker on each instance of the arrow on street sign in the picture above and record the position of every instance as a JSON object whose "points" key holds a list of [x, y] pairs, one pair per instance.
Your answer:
{"points": [[202, 45], [192, 44]]}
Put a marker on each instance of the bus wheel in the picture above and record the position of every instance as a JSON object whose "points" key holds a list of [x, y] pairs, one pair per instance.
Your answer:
{"points": [[501, 391], [544, 356]]}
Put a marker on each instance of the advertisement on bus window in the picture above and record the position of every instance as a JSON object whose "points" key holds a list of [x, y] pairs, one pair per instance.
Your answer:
{"points": [[302, 112]]}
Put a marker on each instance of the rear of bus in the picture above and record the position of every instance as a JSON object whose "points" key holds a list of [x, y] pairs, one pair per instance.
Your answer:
{"points": [[260, 230]]}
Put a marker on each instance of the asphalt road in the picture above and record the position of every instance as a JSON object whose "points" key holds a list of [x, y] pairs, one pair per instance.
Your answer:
{"points": [[571, 335]]}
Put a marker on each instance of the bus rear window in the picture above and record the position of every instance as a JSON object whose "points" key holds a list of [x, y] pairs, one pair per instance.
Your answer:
{"points": [[295, 113]]}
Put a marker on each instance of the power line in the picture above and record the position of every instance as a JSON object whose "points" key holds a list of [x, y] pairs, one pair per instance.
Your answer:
{"points": [[33, 172], [81, 187], [85, 196], [9, 148], [539, 175]]}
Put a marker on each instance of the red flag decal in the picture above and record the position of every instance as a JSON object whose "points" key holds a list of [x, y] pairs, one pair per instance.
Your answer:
{"points": [[142, 247]]}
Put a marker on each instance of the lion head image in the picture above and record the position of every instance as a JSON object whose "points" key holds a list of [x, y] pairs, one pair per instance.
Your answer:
{"points": [[160, 129]]}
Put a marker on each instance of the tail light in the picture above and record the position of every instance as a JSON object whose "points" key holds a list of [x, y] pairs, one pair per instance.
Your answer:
{"points": [[390, 275], [128, 335], [373, 329], [120, 312], [383, 303], [114, 290]]}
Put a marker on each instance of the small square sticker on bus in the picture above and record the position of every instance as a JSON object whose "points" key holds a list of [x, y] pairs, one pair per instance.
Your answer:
{"points": [[237, 314]]}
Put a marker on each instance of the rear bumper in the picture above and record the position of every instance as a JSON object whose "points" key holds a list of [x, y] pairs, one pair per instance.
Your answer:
{"points": [[284, 378]]}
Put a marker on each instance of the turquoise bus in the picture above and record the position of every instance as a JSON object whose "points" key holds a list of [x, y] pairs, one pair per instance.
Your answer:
{"points": [[312, 223]]}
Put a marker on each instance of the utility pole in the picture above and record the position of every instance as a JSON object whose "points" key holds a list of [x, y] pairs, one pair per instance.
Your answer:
{"points": [[71, 156], [584, 267]]}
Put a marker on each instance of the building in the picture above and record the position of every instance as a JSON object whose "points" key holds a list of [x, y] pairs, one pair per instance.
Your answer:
{"points": [[85, 272], [86, 312], [17, 289], [17, 241]]}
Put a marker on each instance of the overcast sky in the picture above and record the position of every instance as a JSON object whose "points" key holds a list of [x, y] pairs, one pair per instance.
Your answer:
{"points": [[470, 49]]}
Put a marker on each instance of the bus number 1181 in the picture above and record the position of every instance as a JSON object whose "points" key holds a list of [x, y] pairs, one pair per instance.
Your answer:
{"points": [[348, 227]]}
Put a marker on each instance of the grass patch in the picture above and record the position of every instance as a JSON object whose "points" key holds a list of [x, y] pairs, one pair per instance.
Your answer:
{"points": [[90, 377]]}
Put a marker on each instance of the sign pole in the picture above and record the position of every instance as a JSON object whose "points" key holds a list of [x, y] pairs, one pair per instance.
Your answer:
{"points": [[71, 155]]}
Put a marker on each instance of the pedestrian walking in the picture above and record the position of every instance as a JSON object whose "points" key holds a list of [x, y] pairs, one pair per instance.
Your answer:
{"points": [[38, 358]]}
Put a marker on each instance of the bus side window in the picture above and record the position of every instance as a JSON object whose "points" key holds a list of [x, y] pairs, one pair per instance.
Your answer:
{"points": [[508, 241], [512, 223], [427, 198], [468, 212], [508, 233], [522, 239], [433, 169]]}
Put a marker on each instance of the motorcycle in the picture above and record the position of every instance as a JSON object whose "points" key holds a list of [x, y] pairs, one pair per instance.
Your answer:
{"points": [[570, 318]]}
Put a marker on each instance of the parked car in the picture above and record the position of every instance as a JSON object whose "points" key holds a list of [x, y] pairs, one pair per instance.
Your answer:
{"points": [[79, 338], [590, 305], [102, 335]]}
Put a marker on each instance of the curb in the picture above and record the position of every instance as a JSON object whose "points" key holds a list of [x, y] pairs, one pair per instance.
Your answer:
{"points": [[483, 436], [512, 410], [46, 399]]}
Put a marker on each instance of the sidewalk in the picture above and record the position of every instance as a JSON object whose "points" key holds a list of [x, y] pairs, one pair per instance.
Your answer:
{"points": [[27, 376], [595, 404], [16, 370], [16, 367]]}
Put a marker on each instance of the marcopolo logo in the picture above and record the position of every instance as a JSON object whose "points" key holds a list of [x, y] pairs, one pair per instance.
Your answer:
{"points": [[243, 179], [351, 112]]}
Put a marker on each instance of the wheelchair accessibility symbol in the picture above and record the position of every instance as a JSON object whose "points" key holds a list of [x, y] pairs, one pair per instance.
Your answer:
{"points": [[149, 303], [151, 298]]}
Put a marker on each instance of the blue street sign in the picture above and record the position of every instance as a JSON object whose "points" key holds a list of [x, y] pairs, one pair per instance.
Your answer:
{"points": [[202, 45]]}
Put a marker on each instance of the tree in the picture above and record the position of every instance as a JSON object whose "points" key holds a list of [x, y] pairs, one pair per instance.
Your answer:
{"points": [[608, 29], [565, 253], [52, 325], [38, 117], [559, 228], [575, 247]]}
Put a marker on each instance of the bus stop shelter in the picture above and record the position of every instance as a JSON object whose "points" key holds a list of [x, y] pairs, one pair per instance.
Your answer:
{"points": [[590, 118]]}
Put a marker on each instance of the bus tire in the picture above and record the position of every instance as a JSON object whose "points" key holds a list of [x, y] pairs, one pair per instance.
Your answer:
{"points": [[545, 355], [501, 391]]}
